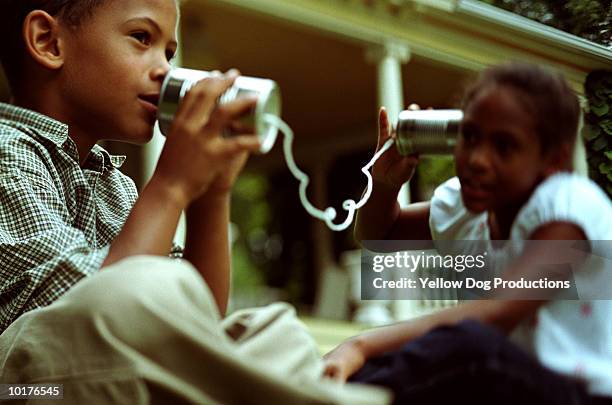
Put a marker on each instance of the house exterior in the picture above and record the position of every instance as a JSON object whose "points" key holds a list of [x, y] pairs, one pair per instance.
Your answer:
{"points": [[336, 61]]}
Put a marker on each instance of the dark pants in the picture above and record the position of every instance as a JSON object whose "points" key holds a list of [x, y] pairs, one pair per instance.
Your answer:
{"points": [[473, 364]]}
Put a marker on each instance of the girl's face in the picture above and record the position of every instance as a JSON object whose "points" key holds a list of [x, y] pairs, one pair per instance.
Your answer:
{"points": [[498, 155]]}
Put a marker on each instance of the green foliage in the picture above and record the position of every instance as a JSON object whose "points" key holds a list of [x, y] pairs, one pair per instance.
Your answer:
{"points": [[251, 213], [598, 127], [590, 19], [431, 172]]}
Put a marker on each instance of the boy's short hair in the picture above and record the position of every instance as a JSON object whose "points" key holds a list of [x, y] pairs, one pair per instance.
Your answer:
{"points": [[12, 50], [546, 95]]}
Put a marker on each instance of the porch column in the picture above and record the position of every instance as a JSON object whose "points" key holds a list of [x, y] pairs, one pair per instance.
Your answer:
{"points": [[152, 150], [389, 59]]}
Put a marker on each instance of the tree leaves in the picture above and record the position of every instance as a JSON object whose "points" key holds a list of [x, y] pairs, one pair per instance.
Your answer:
{"points": [[606, 126], [600, 109], [605, 168], [600, 144], [598, 128], [590, 19]]}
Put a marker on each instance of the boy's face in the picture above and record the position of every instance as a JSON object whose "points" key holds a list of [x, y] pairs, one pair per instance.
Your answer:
{"points": [[114, 68], [498, 155]]}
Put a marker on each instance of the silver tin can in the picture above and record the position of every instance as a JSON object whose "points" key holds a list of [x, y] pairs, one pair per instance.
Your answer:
{"points": [[428, 132], [178, 82]]}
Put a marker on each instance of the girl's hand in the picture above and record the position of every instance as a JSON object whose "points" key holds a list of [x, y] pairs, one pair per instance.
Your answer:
{"points": [[344, 361], [392, 169]]}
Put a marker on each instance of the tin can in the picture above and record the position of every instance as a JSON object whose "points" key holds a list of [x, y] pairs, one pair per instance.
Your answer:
{"points": [[428, 132], [178, 82]]}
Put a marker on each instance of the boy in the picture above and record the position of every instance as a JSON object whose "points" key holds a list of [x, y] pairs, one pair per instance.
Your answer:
{"points": [[72, 311], [92, 71], [82, 72], [80, 305]]}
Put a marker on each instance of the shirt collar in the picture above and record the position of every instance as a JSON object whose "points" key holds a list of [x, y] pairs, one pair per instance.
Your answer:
{"points": [[56, 132], [99, 159]]}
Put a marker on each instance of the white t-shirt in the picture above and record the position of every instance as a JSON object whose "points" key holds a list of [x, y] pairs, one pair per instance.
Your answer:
{"points": [[570, 337]]}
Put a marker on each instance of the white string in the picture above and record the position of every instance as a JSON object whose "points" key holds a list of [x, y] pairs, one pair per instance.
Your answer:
{"points": [[329, 214]]}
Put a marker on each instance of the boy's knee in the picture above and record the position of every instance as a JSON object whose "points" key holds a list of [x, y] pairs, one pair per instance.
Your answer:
{"points": [[140, 306], [135, 278], [141, 289]]}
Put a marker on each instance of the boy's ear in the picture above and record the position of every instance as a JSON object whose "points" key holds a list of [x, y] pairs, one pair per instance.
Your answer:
{"points": [[42, 39]]}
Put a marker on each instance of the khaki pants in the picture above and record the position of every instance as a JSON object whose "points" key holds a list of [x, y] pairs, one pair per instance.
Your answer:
{"points": [[147, 330]]}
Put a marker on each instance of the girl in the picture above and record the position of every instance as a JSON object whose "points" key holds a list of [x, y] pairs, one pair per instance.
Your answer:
{"points": [[514, 181]]}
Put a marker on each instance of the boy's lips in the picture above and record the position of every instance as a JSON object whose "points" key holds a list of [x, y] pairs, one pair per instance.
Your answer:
{"points": [[149, 101]]}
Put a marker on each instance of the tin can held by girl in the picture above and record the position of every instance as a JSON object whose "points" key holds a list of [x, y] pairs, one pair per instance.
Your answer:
{"points": [[428, 132], [178, 81]]}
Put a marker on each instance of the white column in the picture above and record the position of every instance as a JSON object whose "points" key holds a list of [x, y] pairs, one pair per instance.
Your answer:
{"points": [[152, 150], [150, 154], [389, 59], [581, 165]]}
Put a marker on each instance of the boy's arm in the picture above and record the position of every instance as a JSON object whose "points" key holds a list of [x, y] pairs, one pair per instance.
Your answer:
{"points": [[207, 244], [150, 227], [194, 161]]}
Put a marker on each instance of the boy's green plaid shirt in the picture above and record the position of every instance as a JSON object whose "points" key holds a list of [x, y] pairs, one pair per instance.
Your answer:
{"points": [[57, 220]]}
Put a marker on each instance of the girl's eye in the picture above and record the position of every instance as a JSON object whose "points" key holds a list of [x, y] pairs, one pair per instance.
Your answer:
{"points": [[504, 147], [142, 37], [468, 135]]}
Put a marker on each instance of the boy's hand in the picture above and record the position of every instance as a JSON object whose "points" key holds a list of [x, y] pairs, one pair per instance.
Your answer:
{"points": [[225, 180], [196, 156], [392, 169], [344, 361]]}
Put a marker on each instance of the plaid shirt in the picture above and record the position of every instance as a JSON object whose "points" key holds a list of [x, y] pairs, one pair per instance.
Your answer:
{"points": [[57, 220]]}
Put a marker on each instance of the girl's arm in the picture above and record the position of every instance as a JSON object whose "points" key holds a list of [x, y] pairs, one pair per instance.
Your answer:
{"points": [[350, 356], [381, 217]]}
